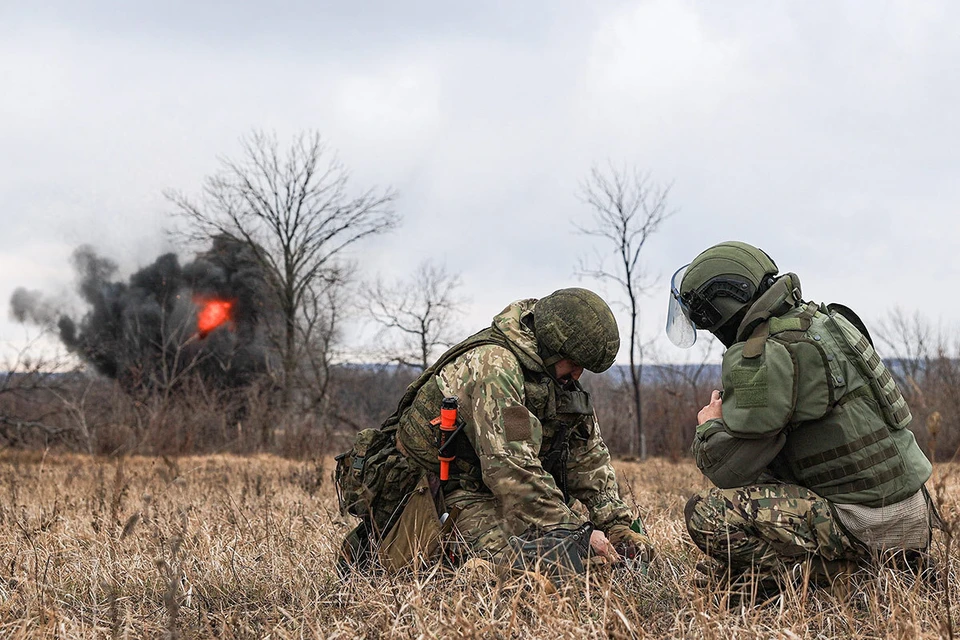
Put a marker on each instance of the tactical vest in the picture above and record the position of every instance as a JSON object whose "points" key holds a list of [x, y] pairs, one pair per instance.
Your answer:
{"points": [[859, 451], [563, 414]]}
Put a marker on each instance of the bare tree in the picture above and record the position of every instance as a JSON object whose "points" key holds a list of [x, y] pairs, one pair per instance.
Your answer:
{"points": [[420, 312], [32, 376], [912, 342], [925, 360], [293, 208], [325, 305], [628, 208], [685, 386]]}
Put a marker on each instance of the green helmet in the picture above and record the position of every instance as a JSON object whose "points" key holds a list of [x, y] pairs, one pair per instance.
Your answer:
{"points": [[576, 324], [719, 283]]}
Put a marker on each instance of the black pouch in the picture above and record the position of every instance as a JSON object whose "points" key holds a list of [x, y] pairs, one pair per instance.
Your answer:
{"points": [[355, 552], [558, 552]]}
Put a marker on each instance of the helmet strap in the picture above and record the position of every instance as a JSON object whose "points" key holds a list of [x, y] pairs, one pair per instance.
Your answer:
{"points": [[549, 360]]}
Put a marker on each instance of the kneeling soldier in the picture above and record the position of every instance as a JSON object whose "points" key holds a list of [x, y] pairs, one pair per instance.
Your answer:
{"points": [[529, 443], [807, 444]]}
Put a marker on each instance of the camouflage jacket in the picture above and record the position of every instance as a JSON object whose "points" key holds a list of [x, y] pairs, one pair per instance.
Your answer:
{"points": [[510, 441]]}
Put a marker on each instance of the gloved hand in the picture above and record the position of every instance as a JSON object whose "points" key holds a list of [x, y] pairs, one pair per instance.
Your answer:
{"points": [[630, 543]]}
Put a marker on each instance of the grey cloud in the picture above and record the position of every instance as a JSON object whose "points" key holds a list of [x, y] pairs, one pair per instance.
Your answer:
{"points": [[823, 132]]}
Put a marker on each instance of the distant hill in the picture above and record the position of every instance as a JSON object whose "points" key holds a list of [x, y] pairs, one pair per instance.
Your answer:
{"points": [[656, 373]]}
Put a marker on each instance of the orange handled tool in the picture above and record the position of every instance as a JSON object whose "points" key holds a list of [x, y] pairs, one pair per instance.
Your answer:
{"points": [[448, 428]]}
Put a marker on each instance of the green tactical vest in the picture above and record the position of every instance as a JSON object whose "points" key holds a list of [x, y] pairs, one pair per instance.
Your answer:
{"points": [[846, 438], [563, 414]]}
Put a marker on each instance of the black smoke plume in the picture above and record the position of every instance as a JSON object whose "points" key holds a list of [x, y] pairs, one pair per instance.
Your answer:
{"points": [[29, 306], [143, 332]]}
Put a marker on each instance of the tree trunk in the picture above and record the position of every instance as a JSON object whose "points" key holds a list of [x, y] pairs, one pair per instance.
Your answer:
{"points": [[289, 367], [636, 378], [635, 382]]}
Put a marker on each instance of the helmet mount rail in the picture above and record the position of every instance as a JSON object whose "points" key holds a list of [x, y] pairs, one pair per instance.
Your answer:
{"points": [[699, 303]]}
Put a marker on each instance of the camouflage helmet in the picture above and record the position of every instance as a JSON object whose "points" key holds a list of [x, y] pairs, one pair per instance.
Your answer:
{"points": [[723, 280], [577, 324]]}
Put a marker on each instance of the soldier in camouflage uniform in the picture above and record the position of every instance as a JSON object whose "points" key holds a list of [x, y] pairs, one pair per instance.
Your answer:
{"points": [[806, 444], [531, 444]]}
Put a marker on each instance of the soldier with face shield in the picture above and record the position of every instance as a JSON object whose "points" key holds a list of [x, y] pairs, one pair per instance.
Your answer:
{"points": [[815, 470], [530, 444]]}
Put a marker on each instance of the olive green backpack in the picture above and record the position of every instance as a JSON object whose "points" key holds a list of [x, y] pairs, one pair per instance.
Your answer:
{"points": [[373, 481]]}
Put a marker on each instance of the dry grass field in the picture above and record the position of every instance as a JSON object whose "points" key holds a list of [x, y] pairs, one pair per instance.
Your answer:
{"points": [[233, 547]]}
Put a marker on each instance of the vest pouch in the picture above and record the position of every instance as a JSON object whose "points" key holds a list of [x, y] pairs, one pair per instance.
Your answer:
{"points": [[414, 541], [415, 429], [576, 402], [352, 492], [894, 408]]}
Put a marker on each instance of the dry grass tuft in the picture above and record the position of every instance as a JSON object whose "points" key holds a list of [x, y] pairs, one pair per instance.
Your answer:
{"points": [[243, 547]]}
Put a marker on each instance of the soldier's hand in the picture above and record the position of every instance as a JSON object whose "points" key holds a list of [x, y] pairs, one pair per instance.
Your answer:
{"points": [[630, 543], [714, 410], [602, 547]]}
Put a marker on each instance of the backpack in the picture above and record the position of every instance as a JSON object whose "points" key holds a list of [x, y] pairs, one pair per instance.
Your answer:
{"points": [[374, 481], [373, 478]]}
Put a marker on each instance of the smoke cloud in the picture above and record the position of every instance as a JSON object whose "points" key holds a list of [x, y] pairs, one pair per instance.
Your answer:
{"points": [[143, 332], [30, 306]]}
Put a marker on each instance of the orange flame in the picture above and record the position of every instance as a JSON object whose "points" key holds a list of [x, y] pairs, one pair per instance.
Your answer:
{"points": [[212, 314]]}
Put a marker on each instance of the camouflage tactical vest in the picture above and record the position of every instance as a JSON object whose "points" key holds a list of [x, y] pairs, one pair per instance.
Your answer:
{"points": [[846, 438], [563, 414]]}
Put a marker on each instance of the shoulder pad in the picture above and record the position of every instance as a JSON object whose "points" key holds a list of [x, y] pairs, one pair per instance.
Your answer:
{"points": [[758, 393], [852, 318]]}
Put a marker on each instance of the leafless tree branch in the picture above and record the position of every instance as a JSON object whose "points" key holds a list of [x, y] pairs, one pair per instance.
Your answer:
{"points": [[628, 208], [419, 312], [294, 209]]}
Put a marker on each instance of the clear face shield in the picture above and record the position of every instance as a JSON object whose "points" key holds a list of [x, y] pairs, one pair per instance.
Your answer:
{"points": [[680, 329]]}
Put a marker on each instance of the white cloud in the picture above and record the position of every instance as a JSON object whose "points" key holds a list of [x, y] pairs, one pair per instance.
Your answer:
{"points": [[823, 132]]}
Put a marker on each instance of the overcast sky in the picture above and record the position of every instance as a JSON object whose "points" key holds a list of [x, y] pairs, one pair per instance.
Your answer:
{"points": [[824, 132]]}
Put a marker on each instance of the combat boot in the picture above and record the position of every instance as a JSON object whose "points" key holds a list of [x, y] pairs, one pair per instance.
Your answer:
{"points": [[914, 564]]}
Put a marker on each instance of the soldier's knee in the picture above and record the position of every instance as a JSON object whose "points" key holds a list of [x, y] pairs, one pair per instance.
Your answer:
{"points": [[691, 506], [698, 518]]}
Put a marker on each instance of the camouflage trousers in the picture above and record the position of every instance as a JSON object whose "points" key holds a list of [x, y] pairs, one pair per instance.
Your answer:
{"points": [[478, 523], [767, 527]]}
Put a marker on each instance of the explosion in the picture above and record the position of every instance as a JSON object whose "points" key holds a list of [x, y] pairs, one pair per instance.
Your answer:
{"points": [[162, 322], [212, 314]]}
